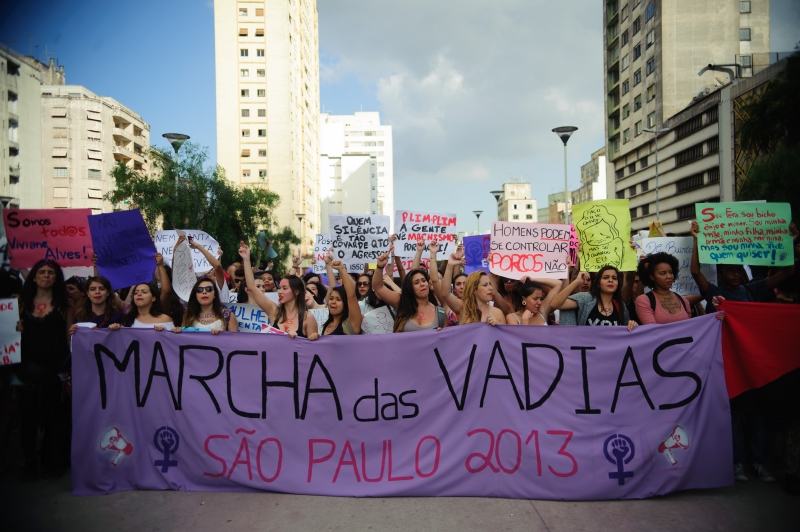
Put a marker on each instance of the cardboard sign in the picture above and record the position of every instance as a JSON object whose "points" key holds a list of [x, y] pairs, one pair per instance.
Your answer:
{"points": [[61, 235], [125, 251], [603, 227], [533, 250], [745, 233], [322, 245], [183, 277], [165, 241], [251, 318], [476, 251], [9, 336], [378, 321], [414, 226], [357, 239], [681, 248]]}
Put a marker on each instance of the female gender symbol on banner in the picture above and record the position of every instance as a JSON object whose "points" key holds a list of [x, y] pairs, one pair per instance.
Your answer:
{"points": [[621, 446], [169, 445]]}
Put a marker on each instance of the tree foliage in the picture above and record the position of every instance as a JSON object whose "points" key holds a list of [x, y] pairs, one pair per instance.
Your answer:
{"points": [[190, 195]]}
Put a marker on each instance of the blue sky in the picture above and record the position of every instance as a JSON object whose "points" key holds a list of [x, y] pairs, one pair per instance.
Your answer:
{"points": [[472, 94]]}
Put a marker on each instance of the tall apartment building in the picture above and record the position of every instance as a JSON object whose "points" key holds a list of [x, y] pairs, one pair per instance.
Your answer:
{"points": [[656, 61], [20, 114], [83, 137], [593, 179], [556, 207], [267, 88], [514, 203], [363, 134]]}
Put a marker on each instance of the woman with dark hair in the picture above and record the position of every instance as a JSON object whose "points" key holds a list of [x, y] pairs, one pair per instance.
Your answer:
{"points": [[146, 311], [658, 271], [100, 306], [344, 313], [243, 294], [531, 306], [291, 315], [271, 281], [204, 311], [363, 285], [602, 305], [319, 291], [459, 281], [45, 318]]}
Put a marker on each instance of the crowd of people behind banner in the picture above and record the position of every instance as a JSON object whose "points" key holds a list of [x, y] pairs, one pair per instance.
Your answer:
{"points": [[36, 393]]}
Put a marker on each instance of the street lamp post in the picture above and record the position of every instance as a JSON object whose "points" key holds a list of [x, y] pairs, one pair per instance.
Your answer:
{"points": [[300, 218], [657, 132], [478, 216], [177, 140], [564, 133]]}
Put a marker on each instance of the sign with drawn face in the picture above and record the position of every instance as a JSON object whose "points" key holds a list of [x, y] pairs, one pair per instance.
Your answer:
{"points": [[603, 227]]}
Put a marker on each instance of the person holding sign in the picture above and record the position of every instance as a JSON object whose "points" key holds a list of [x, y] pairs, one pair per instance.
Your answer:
{"points": [[345, 314], [146, 312], [217, 273], [602, 305], [204, 311], [291, 315], [531, 306]]}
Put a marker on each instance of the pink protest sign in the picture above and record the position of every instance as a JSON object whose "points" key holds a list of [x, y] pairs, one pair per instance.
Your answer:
{"points": [[61, 235], [533, 250]]}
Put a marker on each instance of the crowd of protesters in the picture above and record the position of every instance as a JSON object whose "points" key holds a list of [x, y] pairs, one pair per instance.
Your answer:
{"points": [[310, 305]]}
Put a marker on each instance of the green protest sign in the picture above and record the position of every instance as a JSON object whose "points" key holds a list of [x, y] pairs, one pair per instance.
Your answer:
{"points": [[745, 233]]}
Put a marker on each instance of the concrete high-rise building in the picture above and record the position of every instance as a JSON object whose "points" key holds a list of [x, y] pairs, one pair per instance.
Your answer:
{"points": [[83, 136], [267, 81], [657, 57], [20, 113], [361, 134], [593, 179], [514, 203], [556, 206]]}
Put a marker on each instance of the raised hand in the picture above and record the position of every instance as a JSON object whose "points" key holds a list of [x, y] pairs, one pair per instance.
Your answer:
{"points": [[420, 245], [94, 258], [434, 247], [244, 251], [328, 257], [455, 259], [296, 261], [383, 259], [159, 259], [337, 264], [167, 439], [585, 277], [392, 239], [619, 448], [694, 229]]}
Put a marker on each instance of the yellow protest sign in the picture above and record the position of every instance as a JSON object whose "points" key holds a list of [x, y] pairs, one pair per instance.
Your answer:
{"points": [[603, 229]]}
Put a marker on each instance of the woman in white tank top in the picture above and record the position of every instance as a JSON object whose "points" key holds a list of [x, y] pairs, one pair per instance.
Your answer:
{"points": [[145, 313], [531, 306]]}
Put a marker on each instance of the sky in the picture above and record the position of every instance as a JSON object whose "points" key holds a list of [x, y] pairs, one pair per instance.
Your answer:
{"points": [[472, 89]]}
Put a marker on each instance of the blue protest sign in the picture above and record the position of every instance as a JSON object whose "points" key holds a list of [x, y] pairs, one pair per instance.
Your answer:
{"points": [[124, 248], [476, 250]]}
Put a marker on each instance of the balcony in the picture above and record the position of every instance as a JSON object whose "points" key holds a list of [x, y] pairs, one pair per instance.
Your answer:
{"points": [[121, 134], [122, 154], [13, 171]]}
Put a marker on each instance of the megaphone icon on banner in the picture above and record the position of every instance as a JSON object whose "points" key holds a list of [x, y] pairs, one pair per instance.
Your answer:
{"points": [[677, 440]]}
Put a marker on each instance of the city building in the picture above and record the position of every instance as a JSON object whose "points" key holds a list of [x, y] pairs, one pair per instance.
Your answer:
{"points": [[660, 55], [20, 112], [514, 203], [83, 136], [593, 179], [555, 207], [543, 214], [361, 134], [267, 91]]}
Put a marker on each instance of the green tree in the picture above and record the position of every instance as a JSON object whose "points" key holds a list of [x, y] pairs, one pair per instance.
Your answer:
{"points": [[192, 195]]}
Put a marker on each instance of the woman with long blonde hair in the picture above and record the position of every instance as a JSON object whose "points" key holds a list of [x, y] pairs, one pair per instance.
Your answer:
{"points": [[475, 306]]}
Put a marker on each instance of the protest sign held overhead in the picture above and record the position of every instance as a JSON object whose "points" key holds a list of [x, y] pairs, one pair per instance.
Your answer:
{"points": [[125, 251], [322, 245], [476, 251], [603, 229], [165, 242], [359, 238], [680, 247], [183, 276], [61, 235], [9, 335], [415, 226], [745, 233], [534, 250]]}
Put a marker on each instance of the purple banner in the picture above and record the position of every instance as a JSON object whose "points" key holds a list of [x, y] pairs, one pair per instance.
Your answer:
{"points": [[519, 412], [124, 248]]}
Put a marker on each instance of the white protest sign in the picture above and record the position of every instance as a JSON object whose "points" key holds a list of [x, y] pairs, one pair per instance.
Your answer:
{"points": [[359, 238], [9, 336], [378, 321], [251, 318], [165, 241], [534, 250], [321, 247], [183, 277], [681, 248], [414, 226]]}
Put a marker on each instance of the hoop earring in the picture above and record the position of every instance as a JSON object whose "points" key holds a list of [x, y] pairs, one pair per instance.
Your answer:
{"points": [[524, 303]]}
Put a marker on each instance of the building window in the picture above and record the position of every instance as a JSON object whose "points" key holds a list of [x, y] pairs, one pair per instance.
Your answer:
{"points": [[529, 206], [60, 192], [262, 173], [626, 111], [712, 115], [624, 39], [686, 212], [262, 112], [637, 25], [637, 51], [645, 186], [245, 153], [651, 120], [60, 172], [637, 77], [245, 132], [626, 136], [650, 11], [245, 113], [94, 115], [58, 112], [713, 175], [262, 93], [259, 32], [242, 32], [651, 38], [626, 86], [620, 173], [625, 12], [746, 61], [515, 217], [712, 146], [615, 145], [688, 155], [633, 213], [632, 169], [59, 132], [637, 103], [95, 193], [515, 206], [625, 61], [245, 73], [643, 162], [651, 92], [693, 182], [744, 34], [95, 174], [245, 174], [259, 11], [744, 7], [245, 93], [650, 67], [243, 52], [262, 132], [260, 52], [529, 217], [262, 153], [621, 194], [689, 127], [242, 11], [637, 128], [93, 154], [260, 73]]}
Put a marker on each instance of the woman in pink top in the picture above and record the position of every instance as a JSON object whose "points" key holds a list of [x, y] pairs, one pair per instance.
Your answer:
{"points": [[658, 271]]}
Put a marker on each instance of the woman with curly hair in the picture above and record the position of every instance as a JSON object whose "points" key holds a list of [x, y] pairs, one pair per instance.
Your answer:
{"points": [[658, 272]]}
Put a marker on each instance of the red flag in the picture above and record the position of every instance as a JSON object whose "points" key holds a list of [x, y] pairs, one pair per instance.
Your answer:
{"points": [[759, 343]]}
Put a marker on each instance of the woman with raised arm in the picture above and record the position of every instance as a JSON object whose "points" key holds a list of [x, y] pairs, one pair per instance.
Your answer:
{"points": [[146, 311], [101, 305], [291, 315], [531, 305], [415, 312], [217, 273], [478, 293], [344, 313], [204, 311], [602, 305]]}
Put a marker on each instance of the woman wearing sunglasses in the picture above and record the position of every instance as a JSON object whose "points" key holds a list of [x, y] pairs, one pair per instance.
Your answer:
{"points": [[204, 312]]}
